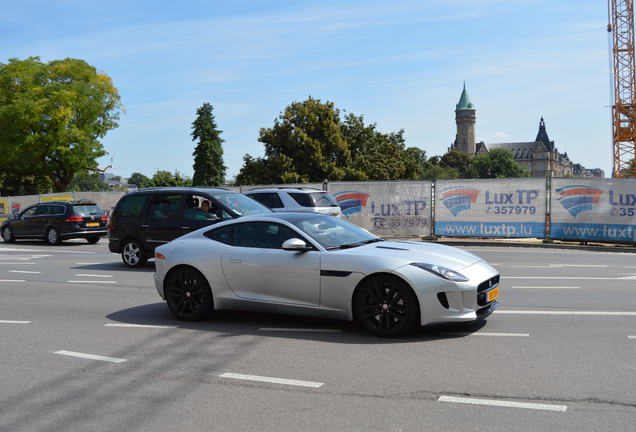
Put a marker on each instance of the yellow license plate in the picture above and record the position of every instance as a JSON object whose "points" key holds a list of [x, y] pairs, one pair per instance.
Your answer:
{"points": [[92, 224], [492, 294]]}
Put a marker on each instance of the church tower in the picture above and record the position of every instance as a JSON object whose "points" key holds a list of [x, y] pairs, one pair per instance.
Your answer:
{"points": [[465, 118]]}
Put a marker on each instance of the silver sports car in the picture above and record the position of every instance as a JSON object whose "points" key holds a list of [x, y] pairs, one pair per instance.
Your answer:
{"points": [[319, 265]]}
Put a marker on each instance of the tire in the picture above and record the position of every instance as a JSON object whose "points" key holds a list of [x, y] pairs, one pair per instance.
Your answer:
{"points": [[92, 240], [386, 306], [132, 254], [188, 294], [7, 235], [53, 236]]}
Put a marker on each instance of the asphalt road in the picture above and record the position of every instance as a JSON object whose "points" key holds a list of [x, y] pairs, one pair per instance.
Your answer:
{"points": [[558, 355]]}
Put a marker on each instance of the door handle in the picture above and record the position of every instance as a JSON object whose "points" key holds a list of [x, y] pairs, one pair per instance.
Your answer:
{"points": [[235, 261]]}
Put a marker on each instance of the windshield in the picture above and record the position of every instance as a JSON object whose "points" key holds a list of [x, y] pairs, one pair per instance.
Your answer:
{"points": [[87, 210], [241, 205], [334, 233]]}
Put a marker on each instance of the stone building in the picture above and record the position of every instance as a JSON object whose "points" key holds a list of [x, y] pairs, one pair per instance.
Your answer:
{"points": [[540, 157]]}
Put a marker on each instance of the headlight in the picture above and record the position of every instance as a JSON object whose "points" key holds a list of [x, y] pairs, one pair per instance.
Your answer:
{"points": [[442, 272]]}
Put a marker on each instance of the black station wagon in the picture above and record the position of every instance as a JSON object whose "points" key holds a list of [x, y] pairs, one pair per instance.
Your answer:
{"points": [[55, 221]]}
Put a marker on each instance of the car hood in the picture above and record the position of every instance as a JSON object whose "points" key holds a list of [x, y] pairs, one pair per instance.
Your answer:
{"points": [[410, 252]]}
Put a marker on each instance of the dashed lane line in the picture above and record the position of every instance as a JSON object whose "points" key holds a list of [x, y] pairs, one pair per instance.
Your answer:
{"points": [[545, 287], [272, 380], [42, 250], [564, 312], [156, 326], [90, 356], [503, 403], [17, 263], [93, 275], [558, 266], [85, 263], [92, 282], [631, 277], [484, 334], [14, 322], [24, 271], [631, 337], [12, 280], [308, 330]]}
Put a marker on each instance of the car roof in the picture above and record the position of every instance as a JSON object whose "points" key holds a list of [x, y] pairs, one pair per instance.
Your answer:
{"points": [[183, 189], [285, 189]]}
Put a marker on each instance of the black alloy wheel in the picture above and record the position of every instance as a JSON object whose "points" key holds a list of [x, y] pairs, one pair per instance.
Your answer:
{"points": [[132, 254], [53, 236], [386, 306], [92, 239], [188, 294], [7, 235]]}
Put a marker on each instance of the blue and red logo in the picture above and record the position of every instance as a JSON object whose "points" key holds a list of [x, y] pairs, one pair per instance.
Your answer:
{"points": [[458, 198], [577, 198], [351, 201]]}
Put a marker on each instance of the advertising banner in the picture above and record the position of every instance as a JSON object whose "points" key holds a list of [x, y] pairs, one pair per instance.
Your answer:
{"points": [[66, 196], [490, 208], [593, 209], [5, 209], [394, 209]]}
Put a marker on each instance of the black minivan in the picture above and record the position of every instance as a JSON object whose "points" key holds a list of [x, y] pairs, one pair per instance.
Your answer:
{"points": [[150, 217]]}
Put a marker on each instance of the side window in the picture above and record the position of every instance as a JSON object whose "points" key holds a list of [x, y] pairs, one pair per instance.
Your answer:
{"points": [[302, 199], [269, 199], [130, 206], [223, 234], [42, 210], [58, 210], [197, 207], [164, 207], [29, 212], [267, 235]]}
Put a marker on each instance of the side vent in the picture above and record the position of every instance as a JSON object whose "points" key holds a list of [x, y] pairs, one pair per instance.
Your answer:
{"points": [[441, 296]]}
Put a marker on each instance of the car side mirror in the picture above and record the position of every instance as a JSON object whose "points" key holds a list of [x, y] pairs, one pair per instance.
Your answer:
{"points": [[295, 244], [212, 217]]}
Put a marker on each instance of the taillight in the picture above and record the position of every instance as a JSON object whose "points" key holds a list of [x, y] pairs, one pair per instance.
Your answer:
{"points": [[103, 218], [74, 219], [159, 255]]}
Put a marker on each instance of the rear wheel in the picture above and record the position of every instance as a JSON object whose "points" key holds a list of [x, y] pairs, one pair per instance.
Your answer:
{"points": [[133, 254], [7, 235], [92, 240], [53, 236], [386, 306], [188, 294]]}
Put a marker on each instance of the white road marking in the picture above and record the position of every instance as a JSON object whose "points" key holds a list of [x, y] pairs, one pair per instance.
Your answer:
{"points": [[563, 312], [631, 337], [17, 263], [501, 403], [42, 250], [141, 326], [90, 356], [93, 275], [90, 281], [14, 322], [12, 280], [545, 287], [484, 334], [272, 380], [309, 330], [87, 263], [558, 265], [632, 277], [24, 271]]}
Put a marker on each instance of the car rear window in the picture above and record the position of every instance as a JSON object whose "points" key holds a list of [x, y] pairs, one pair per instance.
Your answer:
{"points": [[130, 206], [87, 210], [314, 199]]}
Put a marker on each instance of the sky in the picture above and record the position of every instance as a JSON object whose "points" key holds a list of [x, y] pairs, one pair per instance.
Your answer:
{"points": [[401, 64]]}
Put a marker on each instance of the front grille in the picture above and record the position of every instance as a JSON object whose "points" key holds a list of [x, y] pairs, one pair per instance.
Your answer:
{"points": [[486, 285]]}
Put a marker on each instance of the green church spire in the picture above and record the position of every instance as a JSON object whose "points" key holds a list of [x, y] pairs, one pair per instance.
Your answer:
{"points": [[464, 101]]}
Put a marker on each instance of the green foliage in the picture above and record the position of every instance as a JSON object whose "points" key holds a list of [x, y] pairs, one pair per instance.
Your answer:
{"points": [[13, 183], [139, 180], [460, 161], [498, 163], [87, 182], [166, 178], [209, 169], [52, 117]]}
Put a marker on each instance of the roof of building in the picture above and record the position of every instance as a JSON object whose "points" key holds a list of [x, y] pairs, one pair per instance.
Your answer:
{"points": [[464, 101], [542, 136], [520, 150]]}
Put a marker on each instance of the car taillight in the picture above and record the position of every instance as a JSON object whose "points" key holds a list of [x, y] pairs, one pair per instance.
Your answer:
{"points": [[74, 219], [103, 218]]}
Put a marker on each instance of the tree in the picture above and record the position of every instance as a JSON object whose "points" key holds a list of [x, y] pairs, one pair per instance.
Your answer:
{"points": [[460, 161], [138, 180], [87, 182], [166, 178], [208, 154], [52, 117], [498, 163]]}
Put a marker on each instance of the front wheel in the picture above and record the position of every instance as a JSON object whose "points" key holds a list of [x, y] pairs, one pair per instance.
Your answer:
{"points": [[188, 294], [386, 306], [7, 235], [133, 254], [53, 236]]}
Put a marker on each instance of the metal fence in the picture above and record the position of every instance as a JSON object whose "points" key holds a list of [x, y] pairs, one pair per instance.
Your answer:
{"points": [[557, 208]]}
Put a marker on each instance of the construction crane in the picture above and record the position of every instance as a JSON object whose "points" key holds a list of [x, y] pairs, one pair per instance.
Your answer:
{"points": [[621, 27]]}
